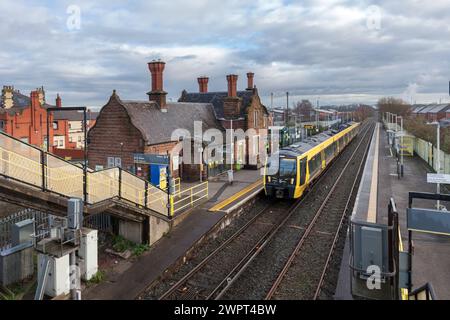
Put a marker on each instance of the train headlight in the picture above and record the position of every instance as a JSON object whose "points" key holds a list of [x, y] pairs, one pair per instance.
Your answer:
{"points": [[292, 181], [269, 179]]}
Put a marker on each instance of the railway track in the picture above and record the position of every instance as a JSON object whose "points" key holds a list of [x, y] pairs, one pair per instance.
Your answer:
{"points": [[214, 275], [259, 277], [304, 273], [205, 279]]}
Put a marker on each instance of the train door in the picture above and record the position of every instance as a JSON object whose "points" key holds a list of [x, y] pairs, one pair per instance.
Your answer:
{"points": [[302, 171]]}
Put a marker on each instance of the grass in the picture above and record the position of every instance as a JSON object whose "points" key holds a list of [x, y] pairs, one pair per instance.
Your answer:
{"points": [[97, 278], [120, 244]]}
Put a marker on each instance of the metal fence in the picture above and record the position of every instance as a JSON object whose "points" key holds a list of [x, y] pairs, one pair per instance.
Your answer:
{"points": [[101, 222], [428, 152], [6, 224], [27, 164]]}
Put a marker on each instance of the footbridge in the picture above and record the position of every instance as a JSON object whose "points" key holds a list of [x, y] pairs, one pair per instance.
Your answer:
{"points": [[33, 178]]}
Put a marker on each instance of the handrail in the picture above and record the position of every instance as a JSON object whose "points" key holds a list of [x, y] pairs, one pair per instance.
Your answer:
{"points": [[39, 173]]}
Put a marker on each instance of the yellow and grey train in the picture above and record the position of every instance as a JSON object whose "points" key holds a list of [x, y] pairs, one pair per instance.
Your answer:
{"points": [[301, 163]]}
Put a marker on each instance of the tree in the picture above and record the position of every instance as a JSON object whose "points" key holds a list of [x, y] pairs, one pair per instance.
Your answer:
{"points": [[304, 109], [394, 105]]}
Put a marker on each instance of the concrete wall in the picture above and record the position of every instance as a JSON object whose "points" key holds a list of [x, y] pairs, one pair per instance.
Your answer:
{"points": [[158, 227], [131, 230], [16, 265]]}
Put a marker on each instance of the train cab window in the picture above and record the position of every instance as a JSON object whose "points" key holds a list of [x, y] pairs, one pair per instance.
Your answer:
{"points": [[302, 171], [288, 167]]}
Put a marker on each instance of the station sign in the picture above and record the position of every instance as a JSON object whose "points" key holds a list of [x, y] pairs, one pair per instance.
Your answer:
{"points": [[148, 158], [438, 178], [309, 126]]}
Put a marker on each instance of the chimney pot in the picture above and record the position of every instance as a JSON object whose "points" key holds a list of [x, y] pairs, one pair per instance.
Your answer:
{"points": [[203, 84], [250, 76], [58, 101], [157, 94], [232, 85]]}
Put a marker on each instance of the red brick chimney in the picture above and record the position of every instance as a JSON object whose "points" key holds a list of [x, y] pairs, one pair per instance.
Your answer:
{"points": [[203, 84], [58, 101], [232, 85], [250, 76], [157, 94], [232, 103]]}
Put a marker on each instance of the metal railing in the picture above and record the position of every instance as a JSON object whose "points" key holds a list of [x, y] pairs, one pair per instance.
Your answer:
{"points": [[40, 219], [188, 197], [24, 163]]}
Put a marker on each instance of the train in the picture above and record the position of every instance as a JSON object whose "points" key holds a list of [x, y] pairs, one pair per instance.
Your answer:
{"points": [[293, 169]]}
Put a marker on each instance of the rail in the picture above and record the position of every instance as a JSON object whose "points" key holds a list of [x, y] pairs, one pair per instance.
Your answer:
{"points": [[184, 199], [27, 164]]}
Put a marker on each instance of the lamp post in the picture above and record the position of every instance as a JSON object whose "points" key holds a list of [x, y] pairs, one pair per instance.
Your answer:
{"points": [[438, 124], [401, 144]]}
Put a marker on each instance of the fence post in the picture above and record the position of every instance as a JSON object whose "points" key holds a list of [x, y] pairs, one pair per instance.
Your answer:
{"points": [[44, 186], [146, 195], [120, 182]]}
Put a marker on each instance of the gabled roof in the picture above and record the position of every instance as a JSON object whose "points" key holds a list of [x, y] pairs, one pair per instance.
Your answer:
{"points": [[20, 103], [157, 126], [217, 99]]}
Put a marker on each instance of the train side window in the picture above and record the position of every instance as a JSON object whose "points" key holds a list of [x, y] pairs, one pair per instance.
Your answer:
{"points": [[302, 171]]}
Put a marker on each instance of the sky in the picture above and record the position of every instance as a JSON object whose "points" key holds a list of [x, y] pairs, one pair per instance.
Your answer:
{"points": [[328, 51]]}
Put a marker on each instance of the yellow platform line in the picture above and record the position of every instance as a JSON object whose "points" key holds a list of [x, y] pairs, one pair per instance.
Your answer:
{"points": [[373, 199], [235, 196]]}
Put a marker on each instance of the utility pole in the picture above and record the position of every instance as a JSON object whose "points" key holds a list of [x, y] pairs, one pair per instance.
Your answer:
{"points": [[438, 160], [287, 109], [271, 100]]}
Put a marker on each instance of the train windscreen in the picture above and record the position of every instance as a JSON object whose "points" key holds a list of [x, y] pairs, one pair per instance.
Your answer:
{"points": [[288, 167]]}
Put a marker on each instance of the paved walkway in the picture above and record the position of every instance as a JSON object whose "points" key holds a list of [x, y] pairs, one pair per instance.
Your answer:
{"points": [[431, 260], [134, 278]]}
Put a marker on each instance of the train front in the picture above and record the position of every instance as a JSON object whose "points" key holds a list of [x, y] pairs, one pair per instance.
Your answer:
{"points": [[280, 177]]}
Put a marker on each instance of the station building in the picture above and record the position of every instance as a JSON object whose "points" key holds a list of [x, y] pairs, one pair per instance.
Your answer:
{"points": [[137, 135], [237, 110]]}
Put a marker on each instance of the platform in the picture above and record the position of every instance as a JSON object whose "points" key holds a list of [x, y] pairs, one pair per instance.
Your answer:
{"points": [[135, 277], [380, 182]]}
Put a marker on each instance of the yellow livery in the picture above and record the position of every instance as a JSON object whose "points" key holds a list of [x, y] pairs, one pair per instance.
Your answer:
{"points": [[297, 166]]}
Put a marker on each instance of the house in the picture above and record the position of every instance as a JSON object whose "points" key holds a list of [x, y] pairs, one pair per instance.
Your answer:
{"points": [[25, 118], [138, 135], [74, 133], [237, 110]]}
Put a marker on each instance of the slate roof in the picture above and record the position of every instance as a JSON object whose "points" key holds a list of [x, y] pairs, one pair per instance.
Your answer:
{"points": [[73, 115], [157, 126], [21, 102], [216, 99]]}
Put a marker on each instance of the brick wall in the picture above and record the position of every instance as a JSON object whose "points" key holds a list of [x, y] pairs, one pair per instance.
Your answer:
{"points": [[113, 127]]}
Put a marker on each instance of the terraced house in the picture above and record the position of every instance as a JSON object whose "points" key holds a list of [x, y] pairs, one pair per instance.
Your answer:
{"points": [[25, 117]]}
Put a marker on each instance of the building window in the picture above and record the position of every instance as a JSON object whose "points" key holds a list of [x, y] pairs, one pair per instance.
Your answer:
{"points": [[79, 138], [265, 122], [55, 125], [2, 125], [255, 119], [70, 139], [110, 162], [60, 143]]}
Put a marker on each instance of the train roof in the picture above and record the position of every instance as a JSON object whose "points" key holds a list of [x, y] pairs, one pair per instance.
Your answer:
{"points": [[307, 144]]}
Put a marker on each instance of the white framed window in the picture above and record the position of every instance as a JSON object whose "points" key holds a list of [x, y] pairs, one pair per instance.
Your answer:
{"points": [[118, 162], [265, 122], [110, 162]]}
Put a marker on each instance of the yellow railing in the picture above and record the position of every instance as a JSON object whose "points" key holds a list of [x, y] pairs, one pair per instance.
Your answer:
{"points": [[24, 163], [187, 198]]}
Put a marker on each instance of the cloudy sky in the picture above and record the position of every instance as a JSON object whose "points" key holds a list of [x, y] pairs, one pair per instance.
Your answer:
{"points": [[337, 51]]}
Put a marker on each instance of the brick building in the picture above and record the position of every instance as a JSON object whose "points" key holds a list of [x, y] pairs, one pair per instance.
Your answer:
{"points": [[70, 127], [24, 117], [128, 133], [239, 109]]}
